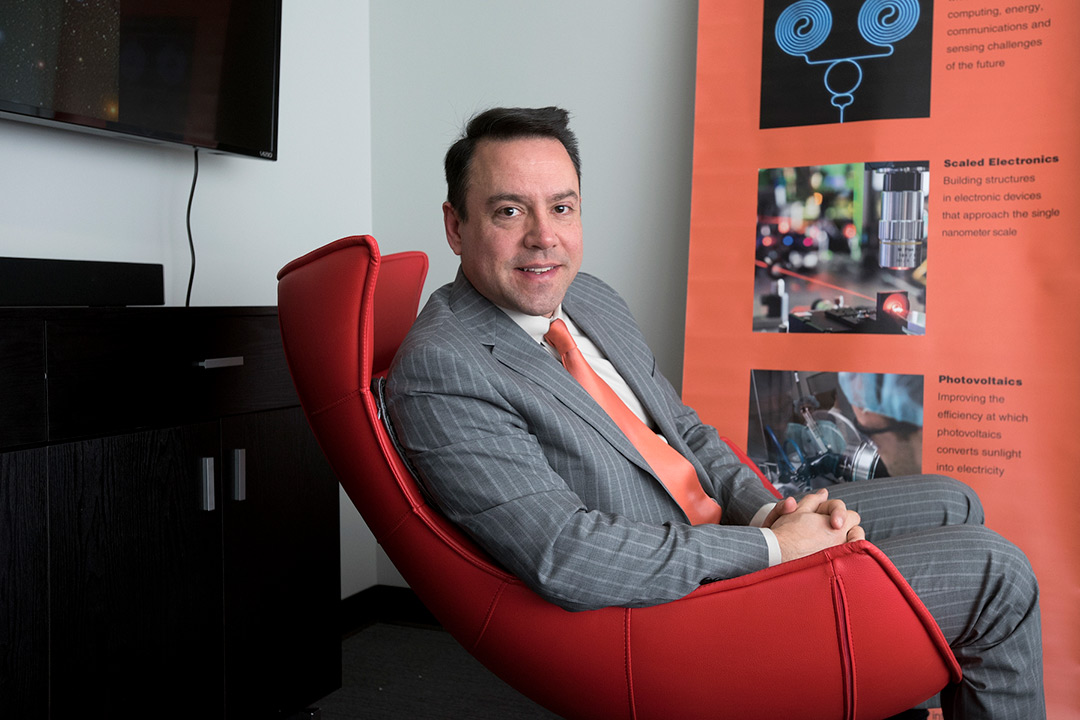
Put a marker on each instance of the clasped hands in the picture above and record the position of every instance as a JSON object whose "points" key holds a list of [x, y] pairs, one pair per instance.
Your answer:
{"points": [[811, 524]]}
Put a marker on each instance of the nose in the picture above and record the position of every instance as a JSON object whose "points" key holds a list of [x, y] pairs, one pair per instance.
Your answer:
{"points": [[541, 233]]}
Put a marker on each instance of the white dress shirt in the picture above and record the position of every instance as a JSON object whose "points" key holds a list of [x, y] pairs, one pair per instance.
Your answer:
{"points": [[537, 326]]}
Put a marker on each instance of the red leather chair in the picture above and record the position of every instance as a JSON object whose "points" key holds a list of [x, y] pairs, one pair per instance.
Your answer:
{"points": [[835, 635]]}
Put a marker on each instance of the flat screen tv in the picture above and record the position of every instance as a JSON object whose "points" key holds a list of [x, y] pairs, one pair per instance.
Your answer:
{"points": [[200, 73]]}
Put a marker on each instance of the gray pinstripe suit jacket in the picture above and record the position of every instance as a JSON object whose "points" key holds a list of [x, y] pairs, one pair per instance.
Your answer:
{"points": [[514, 450]]}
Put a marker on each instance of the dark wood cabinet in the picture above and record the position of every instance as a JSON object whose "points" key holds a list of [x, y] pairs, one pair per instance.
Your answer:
{"points": [[24, 584], [170, 530], [263, 534]]}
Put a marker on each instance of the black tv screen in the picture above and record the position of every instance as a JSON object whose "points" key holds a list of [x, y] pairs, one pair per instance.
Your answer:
{"points": [[202, 73]]}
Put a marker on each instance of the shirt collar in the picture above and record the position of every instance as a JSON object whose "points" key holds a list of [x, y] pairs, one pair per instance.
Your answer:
{"points": [[535, 325]]}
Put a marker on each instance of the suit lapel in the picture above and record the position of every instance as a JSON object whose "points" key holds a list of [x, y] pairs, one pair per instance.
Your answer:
{"points": [[614, 340], [512, 346]]}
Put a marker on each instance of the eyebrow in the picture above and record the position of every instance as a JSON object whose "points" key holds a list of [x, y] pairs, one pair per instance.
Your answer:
{"points": [[521, 199]]}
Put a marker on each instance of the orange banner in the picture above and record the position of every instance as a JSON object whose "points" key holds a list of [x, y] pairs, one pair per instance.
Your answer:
{"points": [[881, 258]]}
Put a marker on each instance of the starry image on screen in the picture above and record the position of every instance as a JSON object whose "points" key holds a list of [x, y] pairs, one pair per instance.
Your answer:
{"points": [[201, 73]]}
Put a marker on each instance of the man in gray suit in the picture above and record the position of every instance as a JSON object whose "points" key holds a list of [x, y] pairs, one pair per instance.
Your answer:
{"points": [[514, 450]]}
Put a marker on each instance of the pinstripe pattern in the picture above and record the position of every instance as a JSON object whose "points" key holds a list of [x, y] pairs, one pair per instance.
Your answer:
{"points": [[517, 453], [514, 450], [978, 586]]}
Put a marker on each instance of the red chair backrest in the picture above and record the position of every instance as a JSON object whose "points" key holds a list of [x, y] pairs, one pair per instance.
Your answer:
{"points": [[344, 310], [327, 304]]}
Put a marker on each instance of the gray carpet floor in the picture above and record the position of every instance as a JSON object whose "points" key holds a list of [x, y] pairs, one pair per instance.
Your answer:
{"points": [[418, 672], [400, 671]]}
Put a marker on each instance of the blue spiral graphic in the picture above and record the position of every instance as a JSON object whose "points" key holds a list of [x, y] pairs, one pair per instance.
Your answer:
{"points": [[803, 26], [883, 22]]}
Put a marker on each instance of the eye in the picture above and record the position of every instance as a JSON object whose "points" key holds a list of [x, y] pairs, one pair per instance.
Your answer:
{"points": [[563, 209], [508, 212]]}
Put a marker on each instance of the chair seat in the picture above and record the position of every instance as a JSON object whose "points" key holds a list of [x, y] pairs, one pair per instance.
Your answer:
{"points": [[838, 634]]}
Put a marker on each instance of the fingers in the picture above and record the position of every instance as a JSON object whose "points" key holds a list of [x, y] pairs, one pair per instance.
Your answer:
{"points": [[839, 515], [803, 533], [785, 506], [837, 512], [814, 523], [852, 520], [813, 501], [840, 518]]}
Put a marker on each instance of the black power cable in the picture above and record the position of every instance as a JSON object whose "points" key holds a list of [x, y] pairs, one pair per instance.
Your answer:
{"points": [[191, 242]]}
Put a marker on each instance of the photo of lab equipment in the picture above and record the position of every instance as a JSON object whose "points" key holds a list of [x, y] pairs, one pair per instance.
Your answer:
{"points": [[842, 249], [812, 429], [844, 61]]}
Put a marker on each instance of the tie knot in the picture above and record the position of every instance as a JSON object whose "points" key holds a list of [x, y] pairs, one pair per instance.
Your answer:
{"points": [[558, 336]]}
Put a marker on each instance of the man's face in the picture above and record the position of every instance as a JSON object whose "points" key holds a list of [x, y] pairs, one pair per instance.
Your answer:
{"points": [[521, 246]]}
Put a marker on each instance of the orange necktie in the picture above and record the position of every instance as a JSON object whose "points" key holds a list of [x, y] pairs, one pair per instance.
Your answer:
{"points": [[674, 471]]}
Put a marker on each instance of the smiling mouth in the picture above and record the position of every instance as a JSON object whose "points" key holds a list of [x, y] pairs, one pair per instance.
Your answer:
{"points": [[537, 270]]}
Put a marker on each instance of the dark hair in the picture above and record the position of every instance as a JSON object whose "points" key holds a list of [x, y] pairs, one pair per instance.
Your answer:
{"points": [[504, 124]]}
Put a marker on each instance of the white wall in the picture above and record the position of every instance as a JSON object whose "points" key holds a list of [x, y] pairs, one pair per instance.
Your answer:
{"points": [[378, 89], [68, 195], [625, 69]]}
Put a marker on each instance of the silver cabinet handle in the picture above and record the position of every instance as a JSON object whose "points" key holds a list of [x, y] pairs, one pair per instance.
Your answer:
{"points": [[206, 465], [213, 363], [238, 491]]}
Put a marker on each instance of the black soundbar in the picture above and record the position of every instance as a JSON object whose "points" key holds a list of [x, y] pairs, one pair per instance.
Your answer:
{"points": [[31, 282]]}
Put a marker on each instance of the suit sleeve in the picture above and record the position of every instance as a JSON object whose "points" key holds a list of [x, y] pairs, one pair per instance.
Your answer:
{"points": [[466, 432], [734, 485]]}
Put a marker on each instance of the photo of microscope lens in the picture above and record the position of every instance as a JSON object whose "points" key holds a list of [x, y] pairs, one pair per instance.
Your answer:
{"points": [[902, 225], [842, 248]]}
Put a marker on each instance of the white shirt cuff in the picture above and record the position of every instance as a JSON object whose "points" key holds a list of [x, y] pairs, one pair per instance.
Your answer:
{"points": [[774, 546], [770, 536], [759, 517]]}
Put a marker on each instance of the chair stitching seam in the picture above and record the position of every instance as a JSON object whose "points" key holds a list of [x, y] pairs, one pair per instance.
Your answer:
{"points": [[331, 405], [629, 670], [488, 615]]}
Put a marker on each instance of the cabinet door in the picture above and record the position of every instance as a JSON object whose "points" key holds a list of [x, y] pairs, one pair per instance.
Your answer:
{"points": [[22, 382], [282, 570], [136, 577], [24, 591]]}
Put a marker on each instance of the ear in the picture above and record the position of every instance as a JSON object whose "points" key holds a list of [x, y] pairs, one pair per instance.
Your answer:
{"points": [[452, 223]]}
